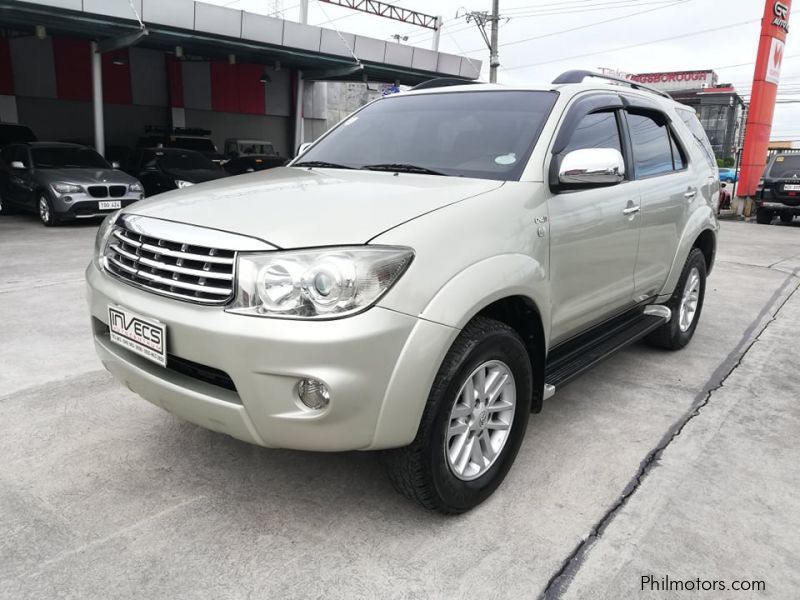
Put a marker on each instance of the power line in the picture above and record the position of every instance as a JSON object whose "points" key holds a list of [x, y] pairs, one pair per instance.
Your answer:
{"points": [[587, 26], [617, 49]]}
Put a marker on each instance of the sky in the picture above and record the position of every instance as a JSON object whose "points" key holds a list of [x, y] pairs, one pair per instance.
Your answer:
{"points": [[705, 34]]}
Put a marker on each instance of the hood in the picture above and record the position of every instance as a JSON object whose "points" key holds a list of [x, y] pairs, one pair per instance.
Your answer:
{"points": [[196, 175], [294, 208], [83, 176]]}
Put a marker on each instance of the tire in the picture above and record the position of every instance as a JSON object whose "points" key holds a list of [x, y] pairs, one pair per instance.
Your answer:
{"points": [[44, 209], [763, 217], [425, 471], [678, 332], [787, 217]]}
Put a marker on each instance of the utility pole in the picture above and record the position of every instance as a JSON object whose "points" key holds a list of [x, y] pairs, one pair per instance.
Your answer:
{"points": [[481, 18], [494, 57]]}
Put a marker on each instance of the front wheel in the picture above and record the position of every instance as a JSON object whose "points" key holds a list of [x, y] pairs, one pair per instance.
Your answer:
{"points": [[763, 217], [473, 423], [686, 305], [46, 214]]}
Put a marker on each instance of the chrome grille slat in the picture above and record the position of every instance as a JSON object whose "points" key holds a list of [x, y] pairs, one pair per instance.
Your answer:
{"points": [[191, 272], [186, 271]]}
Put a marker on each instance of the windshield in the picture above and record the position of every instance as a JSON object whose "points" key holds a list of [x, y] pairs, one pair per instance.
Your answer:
{"points": [[183, 161], [199, 144], [487, 135], [255, 148], [67, 157], [785, 167]]}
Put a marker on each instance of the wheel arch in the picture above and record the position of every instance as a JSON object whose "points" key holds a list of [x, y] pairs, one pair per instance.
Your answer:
{"points": [[523, 316], [700, 232]]}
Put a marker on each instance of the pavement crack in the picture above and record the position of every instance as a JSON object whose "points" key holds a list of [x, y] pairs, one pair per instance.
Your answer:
{"points": [[560, 580]]}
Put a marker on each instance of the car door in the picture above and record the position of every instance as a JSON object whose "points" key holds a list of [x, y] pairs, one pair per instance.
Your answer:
{"points": [[667, 185], [19, 186], [594, 232]]}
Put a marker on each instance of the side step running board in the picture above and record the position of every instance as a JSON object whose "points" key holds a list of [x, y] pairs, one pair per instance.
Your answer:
{"points": [[580, 354]]}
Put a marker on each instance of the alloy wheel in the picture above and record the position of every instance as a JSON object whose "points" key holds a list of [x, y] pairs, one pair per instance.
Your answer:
{"points": [[44, 210], [690, 300], [480, 420]]}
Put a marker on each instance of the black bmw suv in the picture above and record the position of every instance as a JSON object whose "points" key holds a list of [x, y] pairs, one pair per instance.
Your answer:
{"points": [[778, 192]]}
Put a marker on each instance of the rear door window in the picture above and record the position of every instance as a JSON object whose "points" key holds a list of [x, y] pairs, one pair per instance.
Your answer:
{"points": [[652, 144], [699, 135], [785, 167]]}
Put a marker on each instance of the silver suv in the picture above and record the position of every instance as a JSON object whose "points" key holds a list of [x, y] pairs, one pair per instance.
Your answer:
{"points": [[420, 279]]}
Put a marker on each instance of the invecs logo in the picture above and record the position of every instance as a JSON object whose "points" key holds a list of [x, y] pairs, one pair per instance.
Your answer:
{"points": [[781, 16], [135, 329]]}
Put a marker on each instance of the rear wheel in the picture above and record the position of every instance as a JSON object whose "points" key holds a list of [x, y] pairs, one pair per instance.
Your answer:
{"points": [[686, 304], [787, 217], [473, 423], [763, 217]]}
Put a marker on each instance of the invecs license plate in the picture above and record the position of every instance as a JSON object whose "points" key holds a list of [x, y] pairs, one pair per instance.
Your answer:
{"points": [[146, 337], [791, 188], [109, 204]]}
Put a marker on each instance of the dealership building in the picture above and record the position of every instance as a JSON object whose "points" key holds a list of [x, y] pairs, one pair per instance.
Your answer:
{"points": [[70, 68], [719, 107]]}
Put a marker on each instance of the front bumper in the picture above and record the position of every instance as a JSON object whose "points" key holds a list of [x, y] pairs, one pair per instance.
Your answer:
{"points": [[83, 206], [378, 365]]}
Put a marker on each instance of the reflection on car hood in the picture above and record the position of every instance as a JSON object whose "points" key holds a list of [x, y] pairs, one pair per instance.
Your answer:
{"points": [[196, 175], [293, 207], [83, 176]]}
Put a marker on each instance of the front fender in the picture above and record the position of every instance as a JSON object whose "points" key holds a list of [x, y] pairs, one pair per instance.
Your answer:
{"points": [[701, 220], [487, 281], [440, 322]]}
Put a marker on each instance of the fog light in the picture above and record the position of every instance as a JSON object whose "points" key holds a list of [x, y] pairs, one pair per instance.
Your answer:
{"points": [[314, 394], [67, 198]]}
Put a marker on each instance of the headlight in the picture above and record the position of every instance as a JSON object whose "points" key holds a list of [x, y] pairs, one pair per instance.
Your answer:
{"points": [[67, 188], [180, 183], [101, 239], [136, 188], [317, 284]]}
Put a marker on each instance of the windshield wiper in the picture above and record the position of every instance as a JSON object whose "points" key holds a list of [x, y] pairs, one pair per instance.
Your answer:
{"points": [[402, 168], [320, 164]]}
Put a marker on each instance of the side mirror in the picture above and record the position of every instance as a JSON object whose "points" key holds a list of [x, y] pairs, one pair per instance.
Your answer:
{"points": [[592, 167], [18, 164], [303, 147], [115, 165]]}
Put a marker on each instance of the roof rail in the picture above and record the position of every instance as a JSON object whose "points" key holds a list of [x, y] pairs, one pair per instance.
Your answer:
{"points": [[442, 82], [579, 75]]}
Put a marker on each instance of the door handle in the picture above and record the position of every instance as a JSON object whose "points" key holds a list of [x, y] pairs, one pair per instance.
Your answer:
{"points": [[690, 195], [631, 210]]}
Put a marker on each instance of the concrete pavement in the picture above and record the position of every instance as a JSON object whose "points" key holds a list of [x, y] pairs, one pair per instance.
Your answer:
{"points": [[104, 496]]}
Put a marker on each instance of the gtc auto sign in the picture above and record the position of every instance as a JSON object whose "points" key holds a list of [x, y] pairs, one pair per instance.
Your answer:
{"points": [[781, 19]]}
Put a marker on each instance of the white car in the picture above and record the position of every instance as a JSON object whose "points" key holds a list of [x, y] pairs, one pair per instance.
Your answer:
{"points": [[420, 279]]}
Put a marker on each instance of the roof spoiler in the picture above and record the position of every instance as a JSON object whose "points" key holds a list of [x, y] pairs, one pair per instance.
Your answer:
{"points": [[578, 76]]}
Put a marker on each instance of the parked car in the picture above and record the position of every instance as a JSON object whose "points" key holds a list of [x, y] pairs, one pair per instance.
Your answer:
{"points": [[195, 139], [12, 133], [243, 146], [164, 169], [778, 192], [62, 182], [423, 296], [253, 162], [728, 175]]}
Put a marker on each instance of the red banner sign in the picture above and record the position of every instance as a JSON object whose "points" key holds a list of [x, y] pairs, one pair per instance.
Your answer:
{"points": [[774, 27]]}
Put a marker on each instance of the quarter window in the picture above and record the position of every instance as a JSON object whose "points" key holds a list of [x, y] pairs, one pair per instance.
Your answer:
{"points": [[596, 130]]}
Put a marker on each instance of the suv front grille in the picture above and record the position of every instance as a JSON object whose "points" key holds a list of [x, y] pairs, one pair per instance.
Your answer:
{"points": [[189, 272]]}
